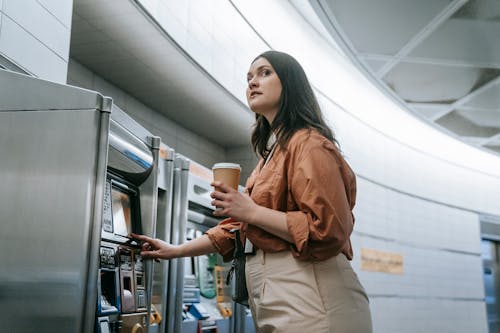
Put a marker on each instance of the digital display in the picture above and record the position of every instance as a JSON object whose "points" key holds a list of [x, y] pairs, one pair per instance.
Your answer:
{"points": [[122, 216]]}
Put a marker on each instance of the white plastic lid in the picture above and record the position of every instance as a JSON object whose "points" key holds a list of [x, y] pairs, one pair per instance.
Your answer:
{"points": [[226, 166]]}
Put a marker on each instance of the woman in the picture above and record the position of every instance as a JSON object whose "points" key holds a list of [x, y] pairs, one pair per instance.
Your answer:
{"points": [[296, 212]]}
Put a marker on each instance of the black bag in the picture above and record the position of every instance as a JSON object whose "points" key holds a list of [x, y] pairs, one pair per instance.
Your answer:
{"points": [[237, 270]]}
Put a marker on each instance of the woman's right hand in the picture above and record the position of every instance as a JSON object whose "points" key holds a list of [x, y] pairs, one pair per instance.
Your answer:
{"points": [[156, 248]]}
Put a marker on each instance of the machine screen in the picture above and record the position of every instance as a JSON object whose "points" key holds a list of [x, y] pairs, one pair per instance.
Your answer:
{"points": [[122, 217]]}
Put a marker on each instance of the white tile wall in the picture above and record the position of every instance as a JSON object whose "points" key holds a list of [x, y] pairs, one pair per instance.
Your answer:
{"points": [[392, 315], [386, 161], [41, 24], [80, 76], [224, 47], [441, 288], [386, 213], [103, 86], [428, 273], [35, 35], [39, 60]]}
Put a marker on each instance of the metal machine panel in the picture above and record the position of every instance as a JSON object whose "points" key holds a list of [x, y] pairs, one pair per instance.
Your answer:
{"points": [[52, 179], [23, 92], [163, 230], [137, 153], [128, 154], [179, 217], [54, 140], [149, 204], [199, 190], [228, 316]]}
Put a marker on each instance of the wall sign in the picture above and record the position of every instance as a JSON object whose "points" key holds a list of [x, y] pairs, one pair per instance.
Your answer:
{"points": [[381, 261]]}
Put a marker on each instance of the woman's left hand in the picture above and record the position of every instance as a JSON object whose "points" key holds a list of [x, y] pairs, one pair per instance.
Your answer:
{"points": [[232, 203]]}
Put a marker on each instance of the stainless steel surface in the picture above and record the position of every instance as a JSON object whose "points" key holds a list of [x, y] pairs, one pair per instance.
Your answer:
{"points": [[51, 200], [134, 156], [23, 92], [200, 219], [130, 124], [243, 322], [149, 203], [491, 279], [173, 292], [167, 156], [49, 173], [199, 191], [94, 244], [128, 154], [163, 229], [148, 197], [179, 217]]}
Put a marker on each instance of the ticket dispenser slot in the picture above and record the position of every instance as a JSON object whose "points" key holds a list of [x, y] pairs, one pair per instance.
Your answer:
{"points": [[127, 290], [108, 294], [140, 292]]}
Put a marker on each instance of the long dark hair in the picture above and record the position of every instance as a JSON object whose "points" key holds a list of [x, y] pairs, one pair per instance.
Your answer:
{"points": [[298, 107]]}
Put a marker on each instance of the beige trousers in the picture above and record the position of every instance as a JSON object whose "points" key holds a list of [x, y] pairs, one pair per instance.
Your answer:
{"points": [[289, 295]]}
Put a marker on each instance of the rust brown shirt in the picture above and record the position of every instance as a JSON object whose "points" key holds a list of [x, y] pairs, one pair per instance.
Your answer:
{"points": [[312, 183]]}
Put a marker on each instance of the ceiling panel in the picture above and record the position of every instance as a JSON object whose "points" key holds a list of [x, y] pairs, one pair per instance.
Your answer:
{"points": [[431, 83], [467, 41], [143, 61], [374, 64], [430, 111], [482, 117], [495, 141], [377, 26], [89, 36], [488, 99], [80, 25], [448, 73], [473, 140], [460, 125], [480, 10]]}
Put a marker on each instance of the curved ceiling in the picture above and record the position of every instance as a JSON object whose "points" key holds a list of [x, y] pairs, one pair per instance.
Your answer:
{"points": [[119, 42], [440, 58]]}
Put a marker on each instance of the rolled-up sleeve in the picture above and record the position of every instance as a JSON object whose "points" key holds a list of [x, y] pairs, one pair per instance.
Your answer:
{"points": [[222, 239], [323, 222]]}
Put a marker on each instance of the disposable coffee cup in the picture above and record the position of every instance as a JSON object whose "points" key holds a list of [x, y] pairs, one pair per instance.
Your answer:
{"points": [[227, 173]]}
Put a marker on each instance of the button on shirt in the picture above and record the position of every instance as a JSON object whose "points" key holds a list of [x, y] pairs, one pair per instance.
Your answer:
{"points": [[311, 182]]}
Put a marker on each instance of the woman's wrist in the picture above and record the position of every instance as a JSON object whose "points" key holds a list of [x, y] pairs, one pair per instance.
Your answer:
{"points": [[253, 217], [179, 251], [195, 247]]}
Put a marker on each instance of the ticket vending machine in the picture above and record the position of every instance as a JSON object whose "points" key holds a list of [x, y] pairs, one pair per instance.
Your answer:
{"points": [[175, 317], [160, 288], [129, 206], [186, 313], [205, 300], [77, 176], [206, 292]]}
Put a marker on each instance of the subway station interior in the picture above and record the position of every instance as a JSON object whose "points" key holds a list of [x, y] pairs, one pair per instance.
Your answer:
{"points": [[112, 113]]}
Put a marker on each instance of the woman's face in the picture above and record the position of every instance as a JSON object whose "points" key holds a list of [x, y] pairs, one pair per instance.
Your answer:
{"points": [[264, 89]]}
